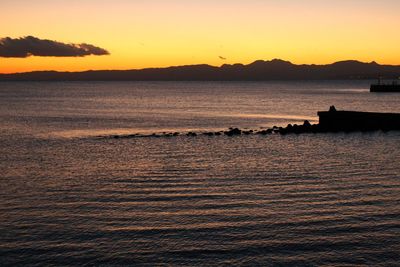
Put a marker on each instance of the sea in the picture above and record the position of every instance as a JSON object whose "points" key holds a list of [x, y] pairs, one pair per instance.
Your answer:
{"points": [[74, 194]]}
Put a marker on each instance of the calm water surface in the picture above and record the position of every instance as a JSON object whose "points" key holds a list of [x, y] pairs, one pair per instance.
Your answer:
{"points": [[68, 197]]}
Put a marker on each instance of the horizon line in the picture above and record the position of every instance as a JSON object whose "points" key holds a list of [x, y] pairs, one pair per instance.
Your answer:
{"points": [[204, 64]]}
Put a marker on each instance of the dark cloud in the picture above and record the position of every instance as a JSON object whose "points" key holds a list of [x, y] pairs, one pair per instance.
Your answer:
{"points": [[32, 46]]}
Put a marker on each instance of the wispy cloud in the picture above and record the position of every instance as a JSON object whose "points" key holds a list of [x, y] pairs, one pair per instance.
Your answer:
{"points": [[31, 46]]}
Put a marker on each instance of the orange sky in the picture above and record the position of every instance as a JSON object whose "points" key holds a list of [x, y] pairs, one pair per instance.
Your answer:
{"points": [[156, 33]]}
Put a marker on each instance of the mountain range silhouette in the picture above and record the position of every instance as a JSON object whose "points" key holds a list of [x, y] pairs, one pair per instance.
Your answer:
{"points": [[257, 71]]}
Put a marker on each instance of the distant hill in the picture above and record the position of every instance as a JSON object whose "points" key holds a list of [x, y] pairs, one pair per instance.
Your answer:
{"points": [[257, 71]]}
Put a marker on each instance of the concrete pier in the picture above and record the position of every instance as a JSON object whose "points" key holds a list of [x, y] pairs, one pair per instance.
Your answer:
{"points": [[334, 120]]}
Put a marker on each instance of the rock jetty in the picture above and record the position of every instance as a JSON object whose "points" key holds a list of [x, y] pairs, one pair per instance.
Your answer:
{"points": [[329, 121]]}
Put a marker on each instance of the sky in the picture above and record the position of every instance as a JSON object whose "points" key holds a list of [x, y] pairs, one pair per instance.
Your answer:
{"points": [[158, 33]]}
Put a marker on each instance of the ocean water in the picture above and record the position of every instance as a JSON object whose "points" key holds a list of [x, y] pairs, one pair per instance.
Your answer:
{"points": [[72, 195]]}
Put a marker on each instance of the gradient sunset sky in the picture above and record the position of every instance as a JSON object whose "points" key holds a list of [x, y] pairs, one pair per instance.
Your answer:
{"points": [[158, 33]]}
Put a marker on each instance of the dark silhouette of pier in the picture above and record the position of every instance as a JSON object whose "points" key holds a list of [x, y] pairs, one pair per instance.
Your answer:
{"points": [[347, 121]]}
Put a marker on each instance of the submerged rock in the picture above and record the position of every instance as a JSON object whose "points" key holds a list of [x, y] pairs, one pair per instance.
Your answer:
{"points": [[306, 123], [233, 131], [191, 134], [298, 129]]}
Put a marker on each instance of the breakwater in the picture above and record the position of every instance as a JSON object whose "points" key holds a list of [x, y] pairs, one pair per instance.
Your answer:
{"points": [[385, 88], [329, 121]]}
